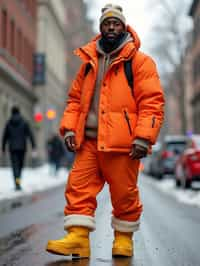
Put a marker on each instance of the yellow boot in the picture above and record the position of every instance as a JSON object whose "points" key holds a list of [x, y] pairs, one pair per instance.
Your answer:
{"points": [[76, 242], [18, 184], [123, 244]]}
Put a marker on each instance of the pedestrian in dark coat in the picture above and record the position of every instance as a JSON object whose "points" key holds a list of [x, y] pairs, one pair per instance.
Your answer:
{"points": [[56, 151], [16, 133]]}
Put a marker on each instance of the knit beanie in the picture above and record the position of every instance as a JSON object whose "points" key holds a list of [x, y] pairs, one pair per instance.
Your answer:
{"points": [[112, 11]]}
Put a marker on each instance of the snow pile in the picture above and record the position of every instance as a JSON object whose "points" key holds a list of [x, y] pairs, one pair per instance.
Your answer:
{"points": [[33, 180], [187, 196]]}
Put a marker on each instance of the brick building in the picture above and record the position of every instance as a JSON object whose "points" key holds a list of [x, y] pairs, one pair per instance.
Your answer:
{"points": [[79, 31], [17, 46], [195, 54]]}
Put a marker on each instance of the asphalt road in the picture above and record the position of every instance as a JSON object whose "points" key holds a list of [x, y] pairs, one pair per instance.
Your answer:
{"points": [[169, 235]]}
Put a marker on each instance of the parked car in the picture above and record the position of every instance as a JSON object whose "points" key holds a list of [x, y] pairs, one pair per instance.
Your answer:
{"points": [[188, 165], [165, 158], [150, 159]]}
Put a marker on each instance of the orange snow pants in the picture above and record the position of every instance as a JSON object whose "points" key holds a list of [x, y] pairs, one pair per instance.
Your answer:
{"points": [[89, 173]]}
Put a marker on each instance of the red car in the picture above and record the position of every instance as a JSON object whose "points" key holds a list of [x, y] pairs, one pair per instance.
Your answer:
{"points": [[188, 164]]}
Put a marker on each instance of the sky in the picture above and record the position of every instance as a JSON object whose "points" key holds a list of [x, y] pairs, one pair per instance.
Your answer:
{"points": [[141, 15], [136, 13]]}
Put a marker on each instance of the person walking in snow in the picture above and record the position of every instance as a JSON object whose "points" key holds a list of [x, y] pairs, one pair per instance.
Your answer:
{"points": [[15, 134], [113, 116]]}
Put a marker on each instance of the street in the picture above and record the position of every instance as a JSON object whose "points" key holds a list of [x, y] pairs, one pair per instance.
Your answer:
{"points": [[169, 234], [104, 90]]}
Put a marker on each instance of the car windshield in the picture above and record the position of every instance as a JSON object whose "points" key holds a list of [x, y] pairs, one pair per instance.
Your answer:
{"points": [[176, 147]]}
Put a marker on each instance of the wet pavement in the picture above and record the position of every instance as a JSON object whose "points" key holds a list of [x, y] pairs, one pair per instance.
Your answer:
{"points": [[169, 234]]}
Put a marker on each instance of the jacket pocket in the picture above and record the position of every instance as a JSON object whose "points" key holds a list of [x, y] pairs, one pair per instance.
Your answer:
{"points": [[153, 121], [120, 129], [127, 118]]}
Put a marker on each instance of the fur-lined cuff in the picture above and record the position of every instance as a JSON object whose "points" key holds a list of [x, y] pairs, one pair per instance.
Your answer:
{"points": [[69, 134], [142, 142], [124, 226], [79, 220]]}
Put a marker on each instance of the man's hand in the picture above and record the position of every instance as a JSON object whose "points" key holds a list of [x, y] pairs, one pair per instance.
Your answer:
{"points": [[70, 143], [138, 152]]}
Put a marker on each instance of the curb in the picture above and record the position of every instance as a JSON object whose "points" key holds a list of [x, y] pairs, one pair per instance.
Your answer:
{"points": [[7, 205]]}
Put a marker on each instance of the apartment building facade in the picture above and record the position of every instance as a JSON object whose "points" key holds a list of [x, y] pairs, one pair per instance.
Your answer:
{"points": [[51, 46], [79, 31], [17, 46]]}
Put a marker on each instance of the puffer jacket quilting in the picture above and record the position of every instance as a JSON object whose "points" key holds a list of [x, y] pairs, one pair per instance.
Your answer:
{"points": [[122, 117]]}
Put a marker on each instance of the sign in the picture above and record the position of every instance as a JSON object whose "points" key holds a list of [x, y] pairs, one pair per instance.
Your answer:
{"points": [[39, 69]]}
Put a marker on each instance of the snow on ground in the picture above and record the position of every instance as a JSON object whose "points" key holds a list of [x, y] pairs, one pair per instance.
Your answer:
{"points": [[187, 196], [33, 180], [41, 178]]}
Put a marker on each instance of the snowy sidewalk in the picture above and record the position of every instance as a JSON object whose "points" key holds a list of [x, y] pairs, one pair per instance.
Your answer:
{"points": [[34, 181]]}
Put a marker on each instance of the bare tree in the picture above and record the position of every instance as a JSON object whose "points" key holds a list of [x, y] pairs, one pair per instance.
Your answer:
{"points": [[169, 41]]}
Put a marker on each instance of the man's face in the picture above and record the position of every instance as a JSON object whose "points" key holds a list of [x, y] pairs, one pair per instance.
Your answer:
{"points": [[111, 28]]}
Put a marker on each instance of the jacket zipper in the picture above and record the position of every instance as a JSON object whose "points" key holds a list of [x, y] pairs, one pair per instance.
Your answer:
{"points": [[128, 121], [153, 121]]}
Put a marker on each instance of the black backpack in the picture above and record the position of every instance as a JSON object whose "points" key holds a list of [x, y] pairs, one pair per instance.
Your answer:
{"points": [[127, 69]]}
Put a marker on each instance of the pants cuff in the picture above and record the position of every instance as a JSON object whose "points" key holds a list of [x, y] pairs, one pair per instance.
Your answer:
{"points": [[79, 220], [125, 226]]}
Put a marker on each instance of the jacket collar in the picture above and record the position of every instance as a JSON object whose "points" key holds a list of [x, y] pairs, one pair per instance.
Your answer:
{"points": [[89, 52]]}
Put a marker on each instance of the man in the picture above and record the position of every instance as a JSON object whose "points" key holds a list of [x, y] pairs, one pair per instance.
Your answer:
{"points": [[111, 127], [16, 133], [56, 152]]}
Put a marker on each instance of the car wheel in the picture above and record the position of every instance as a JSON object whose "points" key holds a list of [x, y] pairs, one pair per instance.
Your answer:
{"points": [[186, 183], [178, 183], [159, 176]]}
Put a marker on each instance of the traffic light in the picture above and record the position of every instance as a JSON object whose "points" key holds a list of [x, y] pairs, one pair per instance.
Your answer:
{"points": [[38, 117], [51, 114]]}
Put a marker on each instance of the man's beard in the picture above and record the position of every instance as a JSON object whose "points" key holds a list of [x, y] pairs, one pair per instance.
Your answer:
{"points": [[109, 44]]}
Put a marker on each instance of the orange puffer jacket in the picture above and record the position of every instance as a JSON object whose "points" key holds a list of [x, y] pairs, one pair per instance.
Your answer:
{"points": [[122, 117]]}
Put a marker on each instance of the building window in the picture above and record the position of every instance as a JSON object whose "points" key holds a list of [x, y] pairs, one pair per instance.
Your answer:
{"points": [[24, 52], [12, 37], [29, 6], [34, 8], [28, 56], [19, 45], [4, 28]]}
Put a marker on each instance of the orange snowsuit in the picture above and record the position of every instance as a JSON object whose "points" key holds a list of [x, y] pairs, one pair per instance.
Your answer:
{"points": [[122, 118]]}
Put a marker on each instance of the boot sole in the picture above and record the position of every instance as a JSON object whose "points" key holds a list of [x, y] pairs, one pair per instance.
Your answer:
{"points": [[60, 250], [122, 252]]}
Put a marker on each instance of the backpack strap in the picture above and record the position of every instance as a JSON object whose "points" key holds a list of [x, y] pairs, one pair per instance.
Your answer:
{"points": [[127, 69], [87, 69], [129, 73]]}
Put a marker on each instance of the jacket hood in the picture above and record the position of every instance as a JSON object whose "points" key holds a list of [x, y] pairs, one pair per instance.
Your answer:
{"points": [[89, 50], [135, 37], [16, 120]]}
